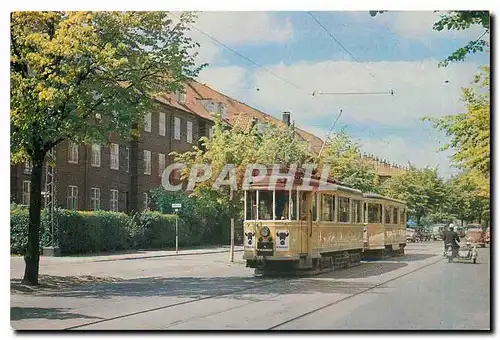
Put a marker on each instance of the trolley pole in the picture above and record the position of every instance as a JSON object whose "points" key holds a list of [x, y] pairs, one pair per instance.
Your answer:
{"points": [[231, 247], [176, 235]]}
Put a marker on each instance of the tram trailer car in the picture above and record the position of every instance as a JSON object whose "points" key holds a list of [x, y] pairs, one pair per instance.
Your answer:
{"points": [[312, 231]]}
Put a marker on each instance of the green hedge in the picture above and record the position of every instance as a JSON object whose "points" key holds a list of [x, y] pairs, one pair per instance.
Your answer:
{"points": [[81, 232]]}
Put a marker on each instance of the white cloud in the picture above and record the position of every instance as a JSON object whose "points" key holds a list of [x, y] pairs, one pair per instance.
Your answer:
{"points": [[229, 80], [245, 27]]}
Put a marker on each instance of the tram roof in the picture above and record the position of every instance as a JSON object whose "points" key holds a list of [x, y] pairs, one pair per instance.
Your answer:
{"points": [[315, 183], [377, 196]]}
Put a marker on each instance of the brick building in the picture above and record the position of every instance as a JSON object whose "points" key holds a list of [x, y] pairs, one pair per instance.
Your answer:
{"points": [[118, 176]]}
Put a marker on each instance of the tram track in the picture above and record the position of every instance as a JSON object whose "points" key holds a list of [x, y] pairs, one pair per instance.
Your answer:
{"points": [[352, 295], [253, 287]]}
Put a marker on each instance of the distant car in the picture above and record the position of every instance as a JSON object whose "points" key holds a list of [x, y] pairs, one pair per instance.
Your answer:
{"points": [[437, 231], [475, 234], [487, 236], [411, 235]]}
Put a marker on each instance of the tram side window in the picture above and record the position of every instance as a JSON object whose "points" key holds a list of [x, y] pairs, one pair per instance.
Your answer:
{"points": [[394, 215], [294, 205], [327, 207], [387, 214], [344, 210], [282, 205], [265, 205], [374, 213], [356, 211], [303, 206], [402, 218], [251, 205]]}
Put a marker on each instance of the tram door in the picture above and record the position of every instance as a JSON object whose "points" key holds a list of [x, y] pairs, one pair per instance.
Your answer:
{"points": [[306, 220]]}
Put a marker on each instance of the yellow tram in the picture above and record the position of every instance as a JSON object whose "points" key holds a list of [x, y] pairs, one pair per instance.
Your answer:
{"points": [[317, 228]]}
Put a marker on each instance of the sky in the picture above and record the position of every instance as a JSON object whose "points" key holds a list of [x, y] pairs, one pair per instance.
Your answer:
{"points": [[394, 51]]}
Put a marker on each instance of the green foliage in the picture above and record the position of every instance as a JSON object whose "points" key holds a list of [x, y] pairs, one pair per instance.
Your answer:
{"points": [[422, 189], [81, 75], [81, 232], [470, 133], [346, 164]]}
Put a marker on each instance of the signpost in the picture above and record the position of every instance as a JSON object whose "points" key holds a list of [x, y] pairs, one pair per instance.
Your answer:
{"points": [[176, 207]]}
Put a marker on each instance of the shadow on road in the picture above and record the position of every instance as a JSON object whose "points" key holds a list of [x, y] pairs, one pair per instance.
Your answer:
{"points": [[366, 270], [20, 313], [407, 258]]}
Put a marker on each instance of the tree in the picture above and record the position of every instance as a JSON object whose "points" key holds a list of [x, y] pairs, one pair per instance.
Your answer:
{"points": [[470, 133], [422, 189], [460, 20], [79, 76], [346, 164]]}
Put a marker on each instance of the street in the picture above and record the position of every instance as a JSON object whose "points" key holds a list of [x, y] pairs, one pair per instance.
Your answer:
{"points": [[417, 291]]}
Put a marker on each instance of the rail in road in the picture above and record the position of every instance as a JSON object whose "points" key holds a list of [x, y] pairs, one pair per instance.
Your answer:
{"points": [[352, 273]]}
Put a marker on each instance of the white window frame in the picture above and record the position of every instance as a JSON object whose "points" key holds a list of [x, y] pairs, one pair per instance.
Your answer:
{"points": [[128, 159], [113, 200], [147, 162], [73, 153], [180, 96], [73, 196], [161, 164], [28, 166], [177, 128], [147, 122], [26, 193], [96, 155], [189, 132], [161, 125], [114, 161], [95, 199]]}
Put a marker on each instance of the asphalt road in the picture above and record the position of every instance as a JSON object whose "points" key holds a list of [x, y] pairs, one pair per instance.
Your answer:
{"points": [[418, 291]]}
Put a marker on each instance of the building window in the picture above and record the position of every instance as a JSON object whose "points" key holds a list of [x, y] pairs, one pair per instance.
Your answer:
{"points": [[189, 132], [26, 192], [28, 166], [146, 201], [72, 197], [161, 164], [147, 122], [113, 202], [127, 156], [115, 156], [73, 153], [95, 198], [211, 132], [161, 125], [147, 162], [177, 128], [180, 96], [96, 155]]}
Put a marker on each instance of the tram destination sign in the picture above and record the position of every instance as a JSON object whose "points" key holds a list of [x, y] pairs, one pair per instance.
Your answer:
{"points": [[176, 205]]}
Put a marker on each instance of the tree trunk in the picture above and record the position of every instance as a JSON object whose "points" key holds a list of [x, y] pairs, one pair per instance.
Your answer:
{"points": [[32, 255]]}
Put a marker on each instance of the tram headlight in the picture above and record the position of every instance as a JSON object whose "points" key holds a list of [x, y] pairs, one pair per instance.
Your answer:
{"points": [[264, 232]]}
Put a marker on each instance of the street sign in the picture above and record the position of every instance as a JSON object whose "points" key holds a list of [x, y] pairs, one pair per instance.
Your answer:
{"points": [[176, 205]]}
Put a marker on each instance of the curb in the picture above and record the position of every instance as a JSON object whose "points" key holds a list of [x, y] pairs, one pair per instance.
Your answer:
{"points": [[166, 255]]}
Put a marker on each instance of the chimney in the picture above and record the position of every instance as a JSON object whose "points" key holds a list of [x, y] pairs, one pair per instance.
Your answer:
{"points": [[286, 118]]}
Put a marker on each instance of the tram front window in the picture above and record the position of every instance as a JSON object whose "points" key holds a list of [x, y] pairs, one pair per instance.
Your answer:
{"points": [[394, 215], [251, 205], [282, 205], [343, 210], [387, 214], [265, 205]]}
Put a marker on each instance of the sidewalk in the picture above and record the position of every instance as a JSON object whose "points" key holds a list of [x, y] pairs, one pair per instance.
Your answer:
{"points": [[139, 254]]}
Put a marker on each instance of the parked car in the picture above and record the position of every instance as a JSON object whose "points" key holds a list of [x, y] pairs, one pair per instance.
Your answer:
{"points": [[475, 234], [411, 235], [487, 236], [460, 231]]}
